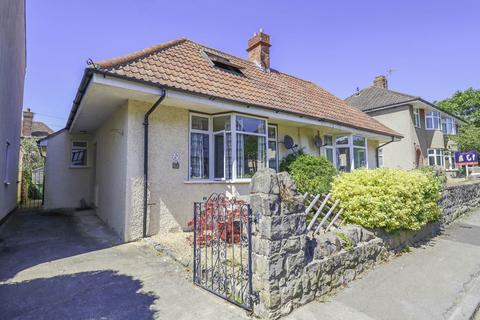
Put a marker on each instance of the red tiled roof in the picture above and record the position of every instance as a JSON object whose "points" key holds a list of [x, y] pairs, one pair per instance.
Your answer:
{"points": [[183, 64]]}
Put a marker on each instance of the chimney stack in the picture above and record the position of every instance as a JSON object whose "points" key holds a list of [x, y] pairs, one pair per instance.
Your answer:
{"points": [[381, 81], [27, 123], [259, 50]]}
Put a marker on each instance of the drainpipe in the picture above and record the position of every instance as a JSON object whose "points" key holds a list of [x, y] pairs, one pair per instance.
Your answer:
{"points": [[145, 159], [381, 146]]}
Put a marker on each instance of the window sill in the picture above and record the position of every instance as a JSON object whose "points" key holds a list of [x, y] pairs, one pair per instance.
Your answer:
{"points": [[217, 181], [79, 167]]}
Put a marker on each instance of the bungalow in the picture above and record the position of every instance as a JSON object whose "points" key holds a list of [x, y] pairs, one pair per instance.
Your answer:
{"points": [[424, 126], [154, 131]]}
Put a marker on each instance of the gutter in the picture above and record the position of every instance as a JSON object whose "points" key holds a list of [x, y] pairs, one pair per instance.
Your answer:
{"points": [[150, 83], [381, 146], [145, 158]]}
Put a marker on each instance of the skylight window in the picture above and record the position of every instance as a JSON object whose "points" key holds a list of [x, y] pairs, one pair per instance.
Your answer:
{"points": [[224, 63]]}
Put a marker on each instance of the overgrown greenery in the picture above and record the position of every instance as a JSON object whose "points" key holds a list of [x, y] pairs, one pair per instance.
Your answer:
{"points": [[289, 159], [31, 157], [468, 138], [465, 104], [313, 174], [390, 199], [31, 160]]}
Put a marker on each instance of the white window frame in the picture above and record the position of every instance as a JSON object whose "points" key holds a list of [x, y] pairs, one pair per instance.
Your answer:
{"points": [[350, 146], [330, 147], [435, 153], [208, 132], [450, 155], [449, 122], [380, 158], [6, 176], [275, 127], [233, 131], [81, 148], [416, 118], [433, 115]]}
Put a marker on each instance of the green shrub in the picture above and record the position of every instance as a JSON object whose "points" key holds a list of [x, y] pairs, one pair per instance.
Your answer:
{"points": [[288, 160], [313, 174], [390, 199], [437, 173]]}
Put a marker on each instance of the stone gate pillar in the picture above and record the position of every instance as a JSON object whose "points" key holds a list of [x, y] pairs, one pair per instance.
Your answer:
{"points": [[278, 243]]}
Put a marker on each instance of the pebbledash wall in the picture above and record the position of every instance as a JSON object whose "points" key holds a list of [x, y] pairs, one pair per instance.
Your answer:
{"points": [[112, 181], [290, 269]]}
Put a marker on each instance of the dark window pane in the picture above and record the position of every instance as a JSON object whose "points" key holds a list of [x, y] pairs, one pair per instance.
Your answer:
{"points": [[246, 124], [219, 155], [272, 132], [199, 159], [199, 123], [251, 155], [221, 123], [343, 159], [341, 140]]}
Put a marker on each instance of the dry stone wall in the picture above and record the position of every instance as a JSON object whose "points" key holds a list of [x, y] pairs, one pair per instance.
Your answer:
{"points": [[290, 269]]}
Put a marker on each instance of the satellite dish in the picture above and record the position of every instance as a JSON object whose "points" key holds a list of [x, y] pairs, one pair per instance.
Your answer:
{"points": [[288, 142], [318, 141]]}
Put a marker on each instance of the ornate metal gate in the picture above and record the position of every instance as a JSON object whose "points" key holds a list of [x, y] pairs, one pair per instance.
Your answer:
{"points": [[222, 249]]}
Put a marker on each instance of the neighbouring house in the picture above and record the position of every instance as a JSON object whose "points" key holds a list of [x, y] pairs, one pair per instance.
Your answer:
{"points": [[32, 128], [211, 120], [424, 126], [12, 78], [31, 163]]}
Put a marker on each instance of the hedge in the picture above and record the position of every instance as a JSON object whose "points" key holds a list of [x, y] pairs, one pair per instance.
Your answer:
{"points": [[390, 199]]}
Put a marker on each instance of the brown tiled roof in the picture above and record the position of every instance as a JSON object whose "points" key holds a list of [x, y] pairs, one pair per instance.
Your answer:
{"points": [[38, 126], [182, 64]]}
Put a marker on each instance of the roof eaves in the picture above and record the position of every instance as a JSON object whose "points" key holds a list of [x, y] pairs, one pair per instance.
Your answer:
{"points": [[125, 77]]}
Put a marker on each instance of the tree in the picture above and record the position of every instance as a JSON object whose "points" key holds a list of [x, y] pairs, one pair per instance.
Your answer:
{"points": [[465, 104], [468, 138]]}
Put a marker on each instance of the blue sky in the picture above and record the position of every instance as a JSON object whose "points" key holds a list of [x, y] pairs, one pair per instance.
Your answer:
{"points": [[432, 46]]}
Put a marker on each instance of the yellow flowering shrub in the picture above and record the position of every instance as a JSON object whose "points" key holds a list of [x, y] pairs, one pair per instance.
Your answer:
{"points": [[390, 199]]}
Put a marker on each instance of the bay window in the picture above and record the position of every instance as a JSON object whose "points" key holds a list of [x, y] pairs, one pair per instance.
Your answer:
{"points": [[225, 147], [350, 152], [435, 157], [433, 120]]}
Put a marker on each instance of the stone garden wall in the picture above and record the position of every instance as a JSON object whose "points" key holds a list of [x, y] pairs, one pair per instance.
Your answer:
{"points": [[290, 269]]}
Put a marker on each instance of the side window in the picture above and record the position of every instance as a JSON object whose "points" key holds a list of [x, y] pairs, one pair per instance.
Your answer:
{"points": [[416, 117], [79, 154], [272, 148]]}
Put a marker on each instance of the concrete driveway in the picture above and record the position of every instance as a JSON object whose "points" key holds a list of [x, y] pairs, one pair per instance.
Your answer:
{"points": [[58, 266]]}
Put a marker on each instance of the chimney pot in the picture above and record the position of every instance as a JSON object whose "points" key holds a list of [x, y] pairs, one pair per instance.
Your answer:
{"points": [[259, 49], [381, 82]]}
